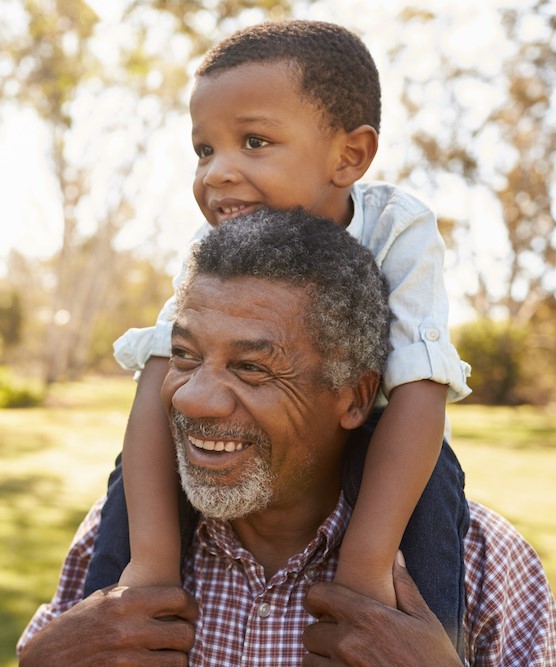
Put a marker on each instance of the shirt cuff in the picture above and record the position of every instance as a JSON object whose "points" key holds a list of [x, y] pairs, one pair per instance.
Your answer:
{"points": [[432, 358], [136, 346]]}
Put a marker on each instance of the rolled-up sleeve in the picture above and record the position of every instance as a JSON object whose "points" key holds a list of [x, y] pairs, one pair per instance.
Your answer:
{"points": [[410, 251], [137, 345], [133, 349]]}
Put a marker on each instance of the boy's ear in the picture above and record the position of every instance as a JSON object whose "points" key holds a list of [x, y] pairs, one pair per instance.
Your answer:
{"points": [[358, 150], [363, 396]]}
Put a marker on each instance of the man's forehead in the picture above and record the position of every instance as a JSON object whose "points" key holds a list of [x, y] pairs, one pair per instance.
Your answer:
{"points": [[243, 289], [266, 305]]}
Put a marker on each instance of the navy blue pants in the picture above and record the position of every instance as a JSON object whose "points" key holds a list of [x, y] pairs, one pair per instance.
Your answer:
{"points": [[432, 544]]}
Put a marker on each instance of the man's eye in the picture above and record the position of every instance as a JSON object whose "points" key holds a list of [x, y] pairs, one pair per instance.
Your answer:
{"points": [[251, 373], [250, 368], [182, 354], [254, 142], [203, 150]]}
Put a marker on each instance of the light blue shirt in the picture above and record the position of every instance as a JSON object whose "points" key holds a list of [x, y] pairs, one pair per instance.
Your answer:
{"points": [[402, 234]]}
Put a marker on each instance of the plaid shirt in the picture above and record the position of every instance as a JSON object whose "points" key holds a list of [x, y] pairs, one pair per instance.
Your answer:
{"points": [[245, 620]]}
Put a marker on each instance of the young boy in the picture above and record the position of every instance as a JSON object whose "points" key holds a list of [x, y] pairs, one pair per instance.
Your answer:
{"points": [[288, 114]]}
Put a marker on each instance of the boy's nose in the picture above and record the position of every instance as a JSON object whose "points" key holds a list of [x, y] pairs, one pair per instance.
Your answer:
{"points": [[221, 169], [204, 395]]}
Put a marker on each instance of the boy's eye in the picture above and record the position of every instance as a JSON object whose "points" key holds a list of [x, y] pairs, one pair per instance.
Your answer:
{"points": [[203, 150], [254, 142]]}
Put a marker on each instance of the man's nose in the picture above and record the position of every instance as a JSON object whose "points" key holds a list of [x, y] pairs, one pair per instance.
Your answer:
{"points": [[205, 394], [221, 169]]}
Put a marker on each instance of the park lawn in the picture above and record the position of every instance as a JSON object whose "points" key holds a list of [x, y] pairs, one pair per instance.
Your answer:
{"points": [[55, 461]]}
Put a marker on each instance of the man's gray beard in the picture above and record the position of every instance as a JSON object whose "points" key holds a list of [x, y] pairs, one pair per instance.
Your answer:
{"points": [[253, 491]]}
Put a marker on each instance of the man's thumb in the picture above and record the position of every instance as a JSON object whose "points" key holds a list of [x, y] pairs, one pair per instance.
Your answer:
{"points": [[410, 601]]}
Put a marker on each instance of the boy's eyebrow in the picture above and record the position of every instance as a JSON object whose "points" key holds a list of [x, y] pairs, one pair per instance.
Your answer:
{"points": [[265, 120]]}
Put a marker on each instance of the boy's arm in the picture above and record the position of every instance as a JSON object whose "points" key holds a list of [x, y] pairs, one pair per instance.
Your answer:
{"points": [[402, 454], [150, 482]]}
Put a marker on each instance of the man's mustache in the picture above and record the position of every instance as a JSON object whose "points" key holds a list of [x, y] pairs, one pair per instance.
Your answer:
{"points": [[213, 429]]}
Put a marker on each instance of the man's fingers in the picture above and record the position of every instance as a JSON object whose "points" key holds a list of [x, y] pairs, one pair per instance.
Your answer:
{"points": [[319, 637], [409, 599], [175, 635], [333, 600], [160, 601], [312, 660]]}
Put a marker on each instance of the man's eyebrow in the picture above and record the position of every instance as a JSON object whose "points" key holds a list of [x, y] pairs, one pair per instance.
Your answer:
{"points": [[256, 345], [180, 331], [243, 344]]}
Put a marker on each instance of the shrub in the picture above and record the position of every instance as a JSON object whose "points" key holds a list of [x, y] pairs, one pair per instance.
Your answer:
{"points": [[497, 352], [15, 393]]}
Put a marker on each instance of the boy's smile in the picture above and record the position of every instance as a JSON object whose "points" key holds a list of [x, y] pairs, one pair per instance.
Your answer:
{"points": [[261, 142]]}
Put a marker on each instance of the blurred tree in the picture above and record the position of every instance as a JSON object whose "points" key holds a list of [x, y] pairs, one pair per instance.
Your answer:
{"points": [[11, 319], [498, 134], [53, 60], [512, 364], [498, 350]]}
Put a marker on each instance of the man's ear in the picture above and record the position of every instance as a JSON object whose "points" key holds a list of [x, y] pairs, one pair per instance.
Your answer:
{"points": [[363, 396], [358, 150]]}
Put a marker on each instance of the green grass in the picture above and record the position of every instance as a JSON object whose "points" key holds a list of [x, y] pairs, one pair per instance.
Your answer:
{"points": [[509, 456], [55, 461]]}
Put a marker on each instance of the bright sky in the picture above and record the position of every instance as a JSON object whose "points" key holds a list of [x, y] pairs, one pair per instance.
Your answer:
{"points": [[31, 209]]}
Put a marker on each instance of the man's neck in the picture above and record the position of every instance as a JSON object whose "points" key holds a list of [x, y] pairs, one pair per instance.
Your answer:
{"points": [[277, 534]]}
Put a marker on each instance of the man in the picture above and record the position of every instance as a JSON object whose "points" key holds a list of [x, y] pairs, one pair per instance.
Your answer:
{"points": [[280, 336]]}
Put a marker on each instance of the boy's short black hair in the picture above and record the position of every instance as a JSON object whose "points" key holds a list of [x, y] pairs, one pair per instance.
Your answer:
{"points": [[337, 72]]}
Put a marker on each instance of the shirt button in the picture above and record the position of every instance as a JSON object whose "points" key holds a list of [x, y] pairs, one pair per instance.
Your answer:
{"points": [[264, 610], [311, 573], [432, 334]]}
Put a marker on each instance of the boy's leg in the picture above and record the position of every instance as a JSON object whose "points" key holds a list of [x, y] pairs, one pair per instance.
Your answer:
{"points": [[111, 550], [433, 541]]}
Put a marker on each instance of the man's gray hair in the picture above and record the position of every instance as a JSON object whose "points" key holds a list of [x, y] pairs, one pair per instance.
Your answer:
{"points": [[348, 316]]}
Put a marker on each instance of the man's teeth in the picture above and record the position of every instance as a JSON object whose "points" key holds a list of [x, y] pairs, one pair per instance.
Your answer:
{"points": [[217, 445]]}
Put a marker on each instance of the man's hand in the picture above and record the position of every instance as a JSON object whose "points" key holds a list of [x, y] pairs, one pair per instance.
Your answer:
{"points": [[359, 631], [119, 626]]}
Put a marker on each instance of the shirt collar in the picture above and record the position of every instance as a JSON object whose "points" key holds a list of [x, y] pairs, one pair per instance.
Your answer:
{"points": [[217, 536], [355, 227]]}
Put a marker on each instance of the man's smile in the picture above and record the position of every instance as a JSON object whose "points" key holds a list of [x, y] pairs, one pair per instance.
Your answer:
{"points": [[218, 445]]}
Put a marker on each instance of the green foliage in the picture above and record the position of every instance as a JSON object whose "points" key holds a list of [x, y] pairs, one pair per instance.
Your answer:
{"points": [[15, 393], [497, 135], [497, 352], [512, 364], [11, 317]]}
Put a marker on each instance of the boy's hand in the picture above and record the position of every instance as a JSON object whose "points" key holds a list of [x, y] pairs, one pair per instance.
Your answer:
{"points": [[119, 626], [360, 631]]}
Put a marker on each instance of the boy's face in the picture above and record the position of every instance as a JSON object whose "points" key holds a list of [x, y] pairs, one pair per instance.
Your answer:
{"points": [[261, 142]]}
